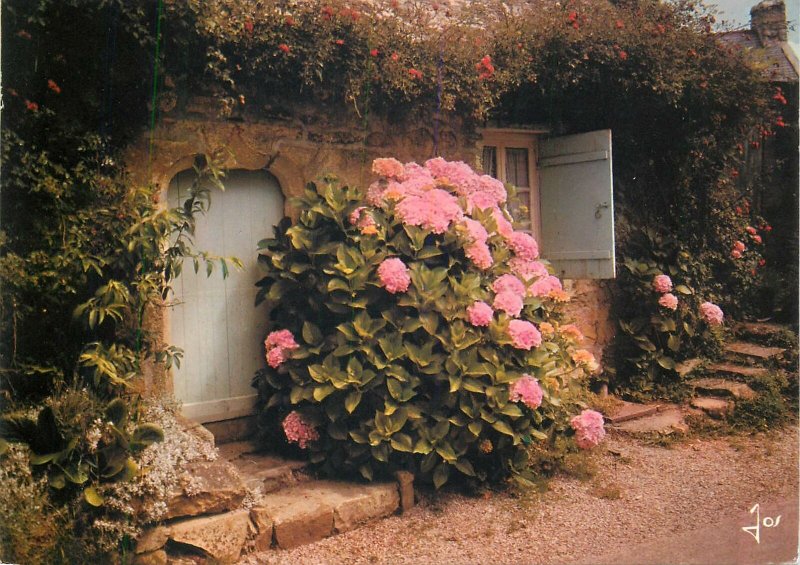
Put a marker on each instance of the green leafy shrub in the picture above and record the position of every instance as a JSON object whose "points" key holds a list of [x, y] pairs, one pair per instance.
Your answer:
{"points": [[660, 326], [378, 352]]}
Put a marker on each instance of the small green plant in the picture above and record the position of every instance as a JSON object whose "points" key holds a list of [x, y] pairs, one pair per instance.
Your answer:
{"points": [[80, 443]]}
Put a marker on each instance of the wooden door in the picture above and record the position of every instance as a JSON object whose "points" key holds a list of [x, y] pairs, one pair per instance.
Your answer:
{"points": [[214, 320]]}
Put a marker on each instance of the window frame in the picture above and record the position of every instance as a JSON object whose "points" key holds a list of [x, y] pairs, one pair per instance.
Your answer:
{"points": [[517, 138]]}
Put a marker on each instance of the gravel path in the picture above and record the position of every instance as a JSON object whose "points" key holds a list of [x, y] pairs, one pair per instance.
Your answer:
{"points": [[639, 493]]}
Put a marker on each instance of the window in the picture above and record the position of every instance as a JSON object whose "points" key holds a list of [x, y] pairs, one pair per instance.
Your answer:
{"points": [[510, 156], [564, 188]]}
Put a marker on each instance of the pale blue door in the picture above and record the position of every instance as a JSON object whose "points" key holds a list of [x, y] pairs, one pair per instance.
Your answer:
{"points": [[214, 320]]}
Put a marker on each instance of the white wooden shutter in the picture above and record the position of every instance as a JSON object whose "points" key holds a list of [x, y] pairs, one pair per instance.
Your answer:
{"points": [[577, 206]]}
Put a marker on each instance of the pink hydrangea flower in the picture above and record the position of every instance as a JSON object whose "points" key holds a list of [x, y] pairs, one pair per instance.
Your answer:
{"points": [[547, 329], [480, 201], [494, 188], [393, 274], [524, 246], [509, 302], [588, 426], [527, 390], [435, 210], [280, 338], [457, 173], [711, 313], [504, 227], [585, 359], [390, 167], [360, 219], [277, 344], [571, 332], [475, 232], [275, 357], [662, 283], [480, 313], [509, 282], [480, 255], [545, 286], [526, 269], [668, 300], [299, 431], [524, 335]]}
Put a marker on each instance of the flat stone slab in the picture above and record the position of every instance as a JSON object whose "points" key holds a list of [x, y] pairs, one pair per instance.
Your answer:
{"points": [[631, 411], [724, 387], [206, 487], [714, 407], [761, 329], [314, 510], [267, 473], [752, 350], [690, 365], [221, 537], [667, 421], [739, 370]]}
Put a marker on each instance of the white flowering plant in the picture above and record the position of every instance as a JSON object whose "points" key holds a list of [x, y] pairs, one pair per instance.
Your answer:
{"points": [[414, 328]]}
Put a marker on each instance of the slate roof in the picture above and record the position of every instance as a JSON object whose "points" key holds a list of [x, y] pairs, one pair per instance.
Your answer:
{"points": [[781, 58]]}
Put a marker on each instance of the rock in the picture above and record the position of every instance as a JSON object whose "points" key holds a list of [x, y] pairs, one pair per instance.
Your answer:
{"points": [[724, 387], [207, 487], [374, 501], [667, 421], [760, 329], [631, 411], [685, 367], [298, 516], [221, 537], [739, 370], [405, 483], [264, 528], [158, 557], [714, 407], [267, 473], [752, 350], [152, 539]]}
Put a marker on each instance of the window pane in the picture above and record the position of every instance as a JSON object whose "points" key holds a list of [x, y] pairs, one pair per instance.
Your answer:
{"points": [[520, 208], [489, 160], [517, 166]]}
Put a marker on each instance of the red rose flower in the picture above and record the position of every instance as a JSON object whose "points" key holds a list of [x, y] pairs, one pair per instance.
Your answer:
{"points": [[32, 106], [51, 84], [415, 74], [285, 48], [374, 52], [249, 27]]}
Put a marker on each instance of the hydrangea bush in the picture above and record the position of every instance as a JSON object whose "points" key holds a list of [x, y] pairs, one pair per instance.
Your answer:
{"points": [[664, 318], [416, 329]]}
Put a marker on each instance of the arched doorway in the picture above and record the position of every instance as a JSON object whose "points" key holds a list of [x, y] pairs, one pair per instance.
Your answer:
{"points": [[214, 320]]}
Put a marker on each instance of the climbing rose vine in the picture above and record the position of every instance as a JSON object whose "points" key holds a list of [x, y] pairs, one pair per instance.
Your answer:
{"points": [[421, 311]]}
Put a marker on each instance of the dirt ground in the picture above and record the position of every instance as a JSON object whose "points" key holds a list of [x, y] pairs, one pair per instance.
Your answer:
{"points": [[643, 503]]}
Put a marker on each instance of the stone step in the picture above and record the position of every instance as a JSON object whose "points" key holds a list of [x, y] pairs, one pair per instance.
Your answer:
{"points": [[714, 407], [723, 388], [626, 411], [294, 516], [262, 472], [666, 421], [759, 329], [689, 366], [753, 351], [738, 370], [315, 510]]}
